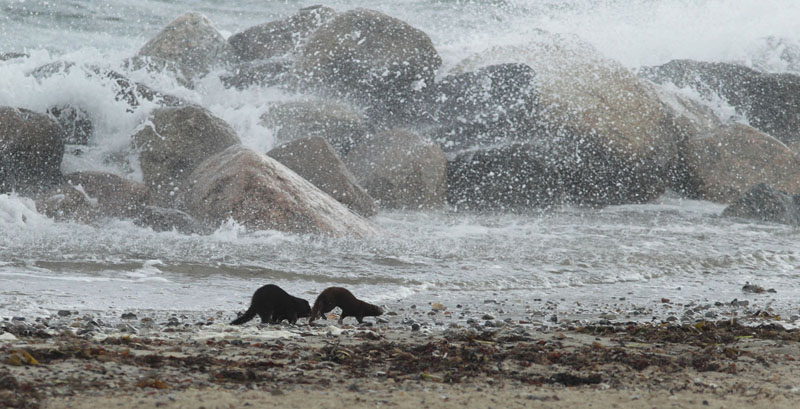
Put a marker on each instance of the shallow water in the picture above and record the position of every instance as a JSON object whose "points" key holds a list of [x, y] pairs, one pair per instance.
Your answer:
{"points": [[582, 261]]}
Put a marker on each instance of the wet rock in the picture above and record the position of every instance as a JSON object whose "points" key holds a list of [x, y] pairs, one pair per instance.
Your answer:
{"points": [[415, 327], [128, 316], [134, 93], [87, 196], [163, 219], [315, 160], [492, 105], [487, 317], [173, 143], [12, 56], [753, 288], [277, 38], [724, 164], [510, 177], [770, 102], [401, 170], [64, 313], [595, 118], [258, 73], [76, 125], [31, 150], [338, 123], [190, 45], [367, 56], [765, 203], [260, 193]]}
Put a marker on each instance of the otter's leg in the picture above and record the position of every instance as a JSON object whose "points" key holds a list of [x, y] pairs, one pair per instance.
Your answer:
{"points": [[292, 317], [265, 318]]}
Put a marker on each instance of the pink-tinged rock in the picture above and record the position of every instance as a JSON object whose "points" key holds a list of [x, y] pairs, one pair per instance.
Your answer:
{"points": [[261, 194]]}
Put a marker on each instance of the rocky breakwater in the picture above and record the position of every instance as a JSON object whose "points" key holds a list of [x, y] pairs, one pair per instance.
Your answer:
{"points": [[546, 122], [599, 134], [744, 160]]}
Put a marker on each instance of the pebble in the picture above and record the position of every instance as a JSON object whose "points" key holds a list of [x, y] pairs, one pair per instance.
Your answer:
{"points": [[64, 313], [415, 327], [487, 317], [128, 316]]}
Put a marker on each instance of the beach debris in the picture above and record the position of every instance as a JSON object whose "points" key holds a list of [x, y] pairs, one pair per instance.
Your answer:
{"points": [[20, 357]]}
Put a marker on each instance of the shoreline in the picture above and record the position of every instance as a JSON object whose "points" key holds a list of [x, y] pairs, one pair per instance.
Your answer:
{"points": [[519, 364]]}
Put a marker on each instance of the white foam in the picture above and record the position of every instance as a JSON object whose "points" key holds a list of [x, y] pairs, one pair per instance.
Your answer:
{"points": [[16, 211]]}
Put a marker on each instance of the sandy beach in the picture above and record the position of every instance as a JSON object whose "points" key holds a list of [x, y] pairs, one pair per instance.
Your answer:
{"points": [[195, 362]]}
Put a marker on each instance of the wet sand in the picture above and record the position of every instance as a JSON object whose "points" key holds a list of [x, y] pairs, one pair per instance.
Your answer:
{"points": [[182, 362]]}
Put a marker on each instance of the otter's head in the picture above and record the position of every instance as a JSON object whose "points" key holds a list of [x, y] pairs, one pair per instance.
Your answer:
{"points": [[373, 310], [303, 309]]}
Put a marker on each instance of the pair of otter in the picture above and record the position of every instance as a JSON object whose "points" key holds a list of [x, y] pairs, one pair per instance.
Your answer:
{"points": [[274, 305]]}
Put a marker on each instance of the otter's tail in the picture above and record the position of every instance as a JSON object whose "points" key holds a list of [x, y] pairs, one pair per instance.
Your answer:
{"points": [[248, 315]]}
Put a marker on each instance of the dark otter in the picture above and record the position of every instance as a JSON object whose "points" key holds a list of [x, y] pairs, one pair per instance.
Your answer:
{"points": [[274, 305], [351, 306]]}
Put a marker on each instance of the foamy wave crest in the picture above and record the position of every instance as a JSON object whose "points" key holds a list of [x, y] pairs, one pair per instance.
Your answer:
{"points": [[19, 211]]}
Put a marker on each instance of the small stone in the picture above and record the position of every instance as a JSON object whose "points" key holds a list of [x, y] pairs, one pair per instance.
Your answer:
{"points": [[64, 313], [415, 327], [665, 300], [17, 318], [438, 307], [752, 288], [128, 316], [487, 317]]}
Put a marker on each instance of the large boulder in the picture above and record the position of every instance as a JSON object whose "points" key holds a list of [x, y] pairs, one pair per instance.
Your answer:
{"points": [[31, 150], [401, 170], [87, 196], [315, 160], [765, 203], [277, 38], [259, 193], [191, 45], [338, 123], [377, 60], [727, 162], [495, 104], [509, 178], [770, 102], [597, 117], [173, 142]]}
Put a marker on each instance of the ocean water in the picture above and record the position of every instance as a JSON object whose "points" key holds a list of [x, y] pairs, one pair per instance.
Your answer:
{"points": [[569, 260]]}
